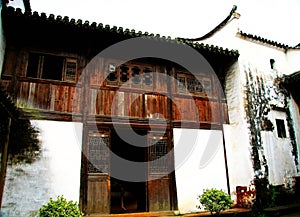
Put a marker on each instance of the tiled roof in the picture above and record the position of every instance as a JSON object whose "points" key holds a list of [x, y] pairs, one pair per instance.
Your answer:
{"points": [[264, 40], [100, 28]]}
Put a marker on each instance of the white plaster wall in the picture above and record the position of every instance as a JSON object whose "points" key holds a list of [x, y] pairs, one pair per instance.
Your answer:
{"points": [[278, 152], [293, 57], [203, 168], [236, 132], [256, 53], [259, 55], [56, 173]]}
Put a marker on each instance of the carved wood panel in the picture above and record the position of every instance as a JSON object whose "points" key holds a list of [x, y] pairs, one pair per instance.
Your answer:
{"points": [[98, 154]]}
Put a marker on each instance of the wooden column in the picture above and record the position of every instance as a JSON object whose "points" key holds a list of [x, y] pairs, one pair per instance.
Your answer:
{"points": [[173, 187], [84, 150], [4, 158]]}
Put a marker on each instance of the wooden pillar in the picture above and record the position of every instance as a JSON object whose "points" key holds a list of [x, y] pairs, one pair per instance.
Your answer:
{"points": [[173, 188], [4, 158], [222, 121], [84, 149]]}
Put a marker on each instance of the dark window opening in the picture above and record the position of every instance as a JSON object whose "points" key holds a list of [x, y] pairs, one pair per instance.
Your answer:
{"points": [[135, 74], [112, 76], [272, 63], [52, 67], [124, 73], [33, 66], [280, 128]]}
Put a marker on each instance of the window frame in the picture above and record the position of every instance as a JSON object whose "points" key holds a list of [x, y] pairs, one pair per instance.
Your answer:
{"points": [[184, 87], [281, 129], [143, 79], [40, 67], [65, 68]]}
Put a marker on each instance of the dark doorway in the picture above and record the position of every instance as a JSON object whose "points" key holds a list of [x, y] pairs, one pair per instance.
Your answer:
{"points": [[128, 196]]}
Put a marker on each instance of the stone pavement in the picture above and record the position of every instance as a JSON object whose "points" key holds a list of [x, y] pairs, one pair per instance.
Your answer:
{"points": [[296, 214], [230, 212], [280, 211], [287, 210]]}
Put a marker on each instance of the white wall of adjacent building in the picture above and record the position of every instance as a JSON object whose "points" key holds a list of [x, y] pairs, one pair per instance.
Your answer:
{"points": [[55, 173], [201, 168], [236, 133], [278, 151]]}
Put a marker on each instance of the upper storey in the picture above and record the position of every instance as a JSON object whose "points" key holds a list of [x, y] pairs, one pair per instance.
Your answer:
{"points": [[51, 65]]}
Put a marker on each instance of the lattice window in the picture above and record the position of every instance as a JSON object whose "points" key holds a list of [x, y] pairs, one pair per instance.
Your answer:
{"points": [[130, 75], [158, 150], [136, 78], [198, 87], [189, 84], [124, 75], [147, 77], [70, 70], [181, 84], [112, 73], [206, 82], [98, 154]]}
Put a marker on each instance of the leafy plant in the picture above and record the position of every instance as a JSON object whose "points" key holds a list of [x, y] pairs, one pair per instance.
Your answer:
{"points": [[215, 201], [60, 208]]}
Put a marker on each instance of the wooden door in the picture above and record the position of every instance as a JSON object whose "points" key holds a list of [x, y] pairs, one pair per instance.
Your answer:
{"points": [[159, 179], [98, 192]]}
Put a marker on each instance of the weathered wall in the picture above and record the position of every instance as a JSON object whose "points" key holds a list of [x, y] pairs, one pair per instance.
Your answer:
{"points": [[256, 55], [56, 173], [278, 152], [203, 167], [236, 133]]}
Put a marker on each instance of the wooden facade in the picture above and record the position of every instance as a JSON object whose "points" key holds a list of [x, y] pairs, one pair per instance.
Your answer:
{"points": [[52, 70]]}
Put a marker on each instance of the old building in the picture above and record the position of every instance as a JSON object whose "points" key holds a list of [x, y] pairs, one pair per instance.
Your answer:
{"points": [[54, 69], [158, 127]]}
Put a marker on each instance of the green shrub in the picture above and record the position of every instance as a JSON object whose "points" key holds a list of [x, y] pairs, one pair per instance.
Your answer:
{"points": [[215, 201], [60, 208]]}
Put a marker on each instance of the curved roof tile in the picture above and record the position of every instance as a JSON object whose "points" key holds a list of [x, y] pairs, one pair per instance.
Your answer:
{"points": [[264, 40], [10, 11]]}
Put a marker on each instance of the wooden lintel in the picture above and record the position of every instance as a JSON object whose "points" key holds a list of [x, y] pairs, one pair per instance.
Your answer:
{"points": [[51, 116], [197, 125]]}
